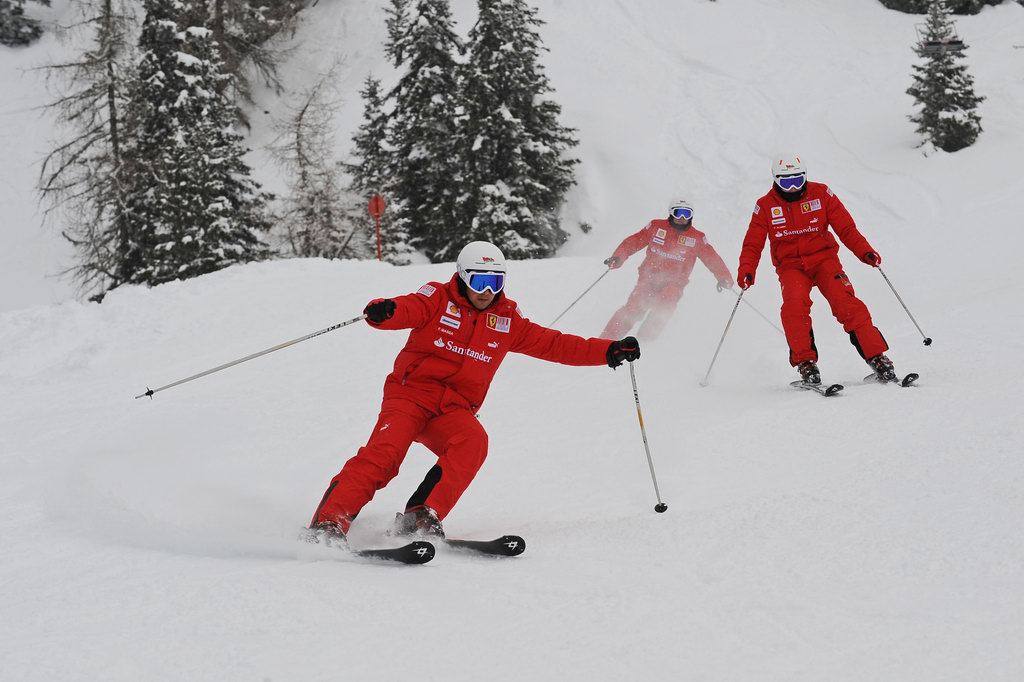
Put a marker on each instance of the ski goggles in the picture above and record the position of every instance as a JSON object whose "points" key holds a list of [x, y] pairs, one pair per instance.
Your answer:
{"points": [[480, 282], [791, 182], [681, 213]]}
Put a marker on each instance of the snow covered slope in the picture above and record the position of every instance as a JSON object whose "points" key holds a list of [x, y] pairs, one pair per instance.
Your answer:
{"points": [[872, 536]]}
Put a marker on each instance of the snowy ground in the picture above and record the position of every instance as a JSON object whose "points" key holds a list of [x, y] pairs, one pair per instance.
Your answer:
{"points": [[873, 536]]}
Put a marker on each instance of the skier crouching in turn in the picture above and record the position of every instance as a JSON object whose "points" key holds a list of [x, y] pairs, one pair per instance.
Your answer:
{"points": [[673, 246], [461, 332], [795, 216]]}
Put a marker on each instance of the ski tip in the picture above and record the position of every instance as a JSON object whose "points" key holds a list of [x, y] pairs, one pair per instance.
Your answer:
{"points": [[909, 379], [419, 552], [514, 544], [833, 389]]}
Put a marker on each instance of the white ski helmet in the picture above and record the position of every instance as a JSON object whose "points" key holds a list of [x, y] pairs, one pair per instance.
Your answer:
{"points": [[679, 203], [787, 164], [481, 257]]}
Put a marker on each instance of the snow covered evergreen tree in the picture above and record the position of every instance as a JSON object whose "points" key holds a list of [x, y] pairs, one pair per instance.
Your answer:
{"points": [[314, 218], [82, 178], [943, 88], [397, 24], [512, 147], [246, 32], [15, 27], [956, 6], [423, 170], [192, 206], [370, 174]]}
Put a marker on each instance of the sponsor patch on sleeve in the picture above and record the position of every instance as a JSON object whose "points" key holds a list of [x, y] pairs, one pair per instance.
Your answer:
{"points": [[828, 191], [426, 290], [757, 209]]}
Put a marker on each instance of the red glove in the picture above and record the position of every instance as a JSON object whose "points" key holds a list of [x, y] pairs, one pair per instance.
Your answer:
{"points": [[872, 259], [745, 279], [613, 263]]}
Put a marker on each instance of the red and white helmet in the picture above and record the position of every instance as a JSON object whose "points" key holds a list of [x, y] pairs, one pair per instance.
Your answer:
{"points": [[789, 172], [481, 265], [788, 164]]}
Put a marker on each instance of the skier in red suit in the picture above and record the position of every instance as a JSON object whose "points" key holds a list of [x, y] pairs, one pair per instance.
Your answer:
{"points": [[461, 332], [673, 246], [795, 216]]}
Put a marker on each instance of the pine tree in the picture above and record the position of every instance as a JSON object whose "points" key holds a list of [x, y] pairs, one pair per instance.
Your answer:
{"points": [[246, 33], [956, 6], [369, 173], [423, 169], [314, 218], [193, 207], [15, 27], [397, 24], [512, 146], [82, 178], [944, 89]]}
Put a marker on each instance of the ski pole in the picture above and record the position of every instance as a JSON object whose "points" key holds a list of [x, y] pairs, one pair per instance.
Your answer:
{"points": [[579, 297], [733, 314], [751, 306], [150, 391], [661, 507], [927, 340]]}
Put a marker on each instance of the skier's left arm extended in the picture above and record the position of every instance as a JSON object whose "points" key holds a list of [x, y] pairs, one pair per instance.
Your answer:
{"points": [[552, 345], [713, 262], [845, 227]]}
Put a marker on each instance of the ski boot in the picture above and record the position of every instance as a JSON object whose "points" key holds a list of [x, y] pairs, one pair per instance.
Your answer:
{"points": [[420, 520], [883, 367], [330, 533], [809, 372]]}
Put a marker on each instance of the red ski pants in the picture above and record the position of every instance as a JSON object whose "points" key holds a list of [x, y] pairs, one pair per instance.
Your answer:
{"points": [[649, 294], [849, 310], [456, 437]]}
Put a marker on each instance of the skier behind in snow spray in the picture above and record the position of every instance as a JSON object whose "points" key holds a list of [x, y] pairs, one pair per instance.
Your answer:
{"points": [[673, 246], [795, 216], [461, 332]]}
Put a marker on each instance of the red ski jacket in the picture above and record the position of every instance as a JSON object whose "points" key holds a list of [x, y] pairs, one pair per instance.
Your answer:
{"points": [[454, 349], [798, 230], [672, 252]]}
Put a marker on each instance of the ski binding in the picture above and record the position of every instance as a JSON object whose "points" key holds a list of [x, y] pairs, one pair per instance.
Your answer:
{"points": [[824, 389], [904, 382]]}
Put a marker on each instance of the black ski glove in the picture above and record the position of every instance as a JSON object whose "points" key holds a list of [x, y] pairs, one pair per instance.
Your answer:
{"points": [[378, 311], [627, 349]]}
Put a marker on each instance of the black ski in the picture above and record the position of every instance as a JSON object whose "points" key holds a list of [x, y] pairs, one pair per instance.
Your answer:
{"points": [[506, 545], [418, 552], [824, 389], [904, 382]]}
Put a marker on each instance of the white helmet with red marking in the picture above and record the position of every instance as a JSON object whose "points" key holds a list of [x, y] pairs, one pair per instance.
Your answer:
{"points": [[481, 257]]}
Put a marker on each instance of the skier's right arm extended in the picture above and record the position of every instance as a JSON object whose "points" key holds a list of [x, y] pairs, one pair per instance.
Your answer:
{"points": [[629, 246], [753, 245], [404, 312]]}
